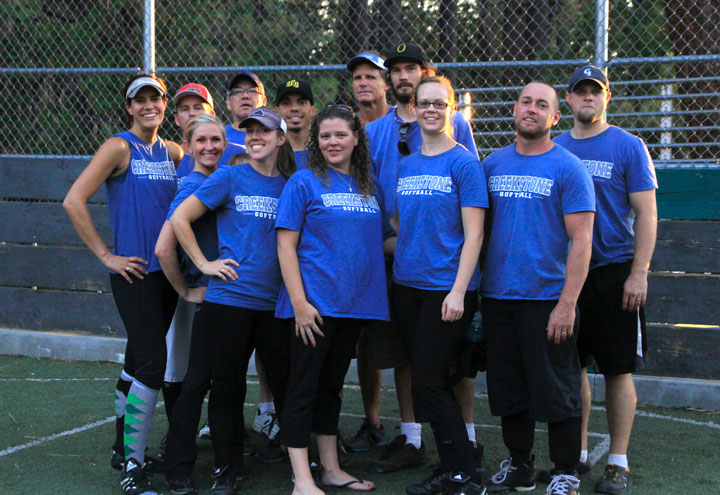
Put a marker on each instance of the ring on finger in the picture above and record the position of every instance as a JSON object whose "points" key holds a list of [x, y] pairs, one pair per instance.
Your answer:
{"points": [[127, 268]]}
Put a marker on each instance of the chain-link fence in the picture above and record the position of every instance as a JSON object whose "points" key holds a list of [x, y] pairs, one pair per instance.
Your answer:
{"points": [[63, 62]]}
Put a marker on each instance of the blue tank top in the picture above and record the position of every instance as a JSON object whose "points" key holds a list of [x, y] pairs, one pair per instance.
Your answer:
{"points": [[140, 197]]}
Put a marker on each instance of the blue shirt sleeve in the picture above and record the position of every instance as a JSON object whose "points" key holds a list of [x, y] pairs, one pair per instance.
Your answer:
{"points": [[215, 191], [577, 192], [472, 186], [181, 196], [463, 133], [292, 205], [640, 171]]}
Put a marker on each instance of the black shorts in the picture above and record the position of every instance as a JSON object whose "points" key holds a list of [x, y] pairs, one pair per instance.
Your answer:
{"points": [[525, 371], [381, 339], [610, 337]]}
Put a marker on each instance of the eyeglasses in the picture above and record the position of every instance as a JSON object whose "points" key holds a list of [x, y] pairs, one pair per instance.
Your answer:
{"points": [[403, 146], [242, 91], [437, 104]]}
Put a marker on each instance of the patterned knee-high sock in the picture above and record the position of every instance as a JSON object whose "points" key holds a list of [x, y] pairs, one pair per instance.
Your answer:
{"points": [[121, 390], [139, 412]]}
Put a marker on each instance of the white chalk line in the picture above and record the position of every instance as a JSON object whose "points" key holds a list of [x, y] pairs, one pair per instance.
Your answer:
{"points": [[44, 380], [594, 456], [645, 414]]}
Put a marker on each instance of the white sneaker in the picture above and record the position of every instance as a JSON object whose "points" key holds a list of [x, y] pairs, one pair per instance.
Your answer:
{"points": [[564, 484], [204, 433], [266, 424]]}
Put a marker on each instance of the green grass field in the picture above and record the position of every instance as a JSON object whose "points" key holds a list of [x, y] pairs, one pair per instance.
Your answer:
{"points": [[57, 428]]}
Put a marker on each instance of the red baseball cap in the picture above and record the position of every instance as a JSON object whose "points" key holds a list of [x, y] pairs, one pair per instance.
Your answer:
{"points": [[196, 90]]}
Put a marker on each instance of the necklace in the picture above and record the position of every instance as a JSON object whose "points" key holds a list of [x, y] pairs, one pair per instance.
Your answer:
{"points": [[349, 184]]}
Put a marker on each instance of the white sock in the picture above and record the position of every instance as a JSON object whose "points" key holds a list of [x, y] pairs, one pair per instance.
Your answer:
{"points": [[267, 407], [470, 427], [583, 456], [618, 460], [412, 433]]}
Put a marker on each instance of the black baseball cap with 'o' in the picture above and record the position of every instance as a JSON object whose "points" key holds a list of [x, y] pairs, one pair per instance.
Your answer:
{"points": [[294, 86], [407, 51], [589, 73]]}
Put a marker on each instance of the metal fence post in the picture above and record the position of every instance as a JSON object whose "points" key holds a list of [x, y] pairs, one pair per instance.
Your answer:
{"points": [[149, 36], [602, 26]]}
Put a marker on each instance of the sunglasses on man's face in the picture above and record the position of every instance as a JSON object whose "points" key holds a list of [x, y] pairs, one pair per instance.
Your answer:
{"points": [[403, 146]]}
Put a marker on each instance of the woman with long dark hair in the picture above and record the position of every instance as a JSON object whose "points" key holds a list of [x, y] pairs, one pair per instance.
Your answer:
{"points": [[330, 244], [441, 197], [237, 314], [138, 170]]}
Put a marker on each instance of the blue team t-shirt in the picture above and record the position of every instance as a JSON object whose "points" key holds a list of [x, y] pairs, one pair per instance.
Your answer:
{"points": [[383, 138], [430, 192], [234, 136], [528, 244], [619, 164], [340, 251], [245, 204], [139, 198], [301, 159], [187, 164], [204, 228]]}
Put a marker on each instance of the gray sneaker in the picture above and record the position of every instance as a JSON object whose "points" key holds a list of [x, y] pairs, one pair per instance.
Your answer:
{"points": [[616, 480]]}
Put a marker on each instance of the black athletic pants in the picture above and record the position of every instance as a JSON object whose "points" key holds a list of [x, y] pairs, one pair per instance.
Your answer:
{"points": [[181, 450], [434, 346], [317, 375], [233, 333], [146, 308]]}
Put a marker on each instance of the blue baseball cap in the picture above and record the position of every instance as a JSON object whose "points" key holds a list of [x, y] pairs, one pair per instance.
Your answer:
{"points": [[266, 117], [589, 73], [366, 57]]}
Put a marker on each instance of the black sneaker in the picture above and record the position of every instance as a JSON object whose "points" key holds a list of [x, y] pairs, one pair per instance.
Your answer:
{"points": [[272, 453], [520, 478], [181, 484], [583, 469], [134, 480], [616, 480], [153, 465], [399, 455], [564, 484], [472, 488], [224, 484], [117, 460], [439, 482], [367, 437]]}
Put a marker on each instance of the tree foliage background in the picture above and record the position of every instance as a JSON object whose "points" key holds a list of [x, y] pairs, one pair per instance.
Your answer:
{"points": [[56, 112]]}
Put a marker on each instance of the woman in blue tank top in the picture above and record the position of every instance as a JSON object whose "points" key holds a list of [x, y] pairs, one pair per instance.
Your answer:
{"points": [[138, 170], [441, 197], [237, 313]]}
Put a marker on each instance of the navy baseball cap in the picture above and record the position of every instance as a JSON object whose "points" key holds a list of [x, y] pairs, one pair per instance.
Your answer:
{"points": [[589, 73], [246, 74], [266, 117], [367, 58], [407, 51], [294, 86]]}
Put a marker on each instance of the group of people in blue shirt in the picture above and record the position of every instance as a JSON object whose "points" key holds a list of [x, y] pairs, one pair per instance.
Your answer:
{"points": [[289, 259]]}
